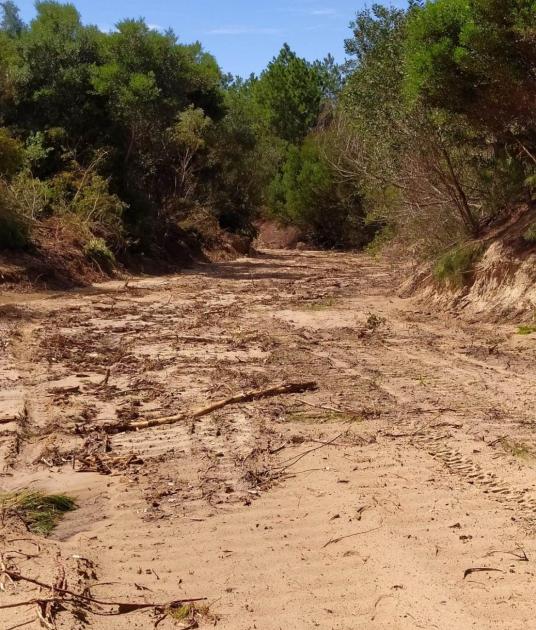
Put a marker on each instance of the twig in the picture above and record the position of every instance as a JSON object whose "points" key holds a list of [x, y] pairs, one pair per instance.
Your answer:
{"points": [[520, 554], [479, 569], [123, 607], [279, 390], [297, 458], [340, 411], [334, 541]]}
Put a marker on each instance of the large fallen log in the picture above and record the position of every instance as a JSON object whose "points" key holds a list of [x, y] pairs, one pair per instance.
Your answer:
{"points": [[278, 390]]}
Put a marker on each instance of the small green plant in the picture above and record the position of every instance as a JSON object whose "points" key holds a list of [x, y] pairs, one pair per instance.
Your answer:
{"points": [[14, 232], [40, 512], [526, 329], [374, 322], [517, 449], [181, 613], [456, 266], [321, 305], [97, 250], [530, 234]]}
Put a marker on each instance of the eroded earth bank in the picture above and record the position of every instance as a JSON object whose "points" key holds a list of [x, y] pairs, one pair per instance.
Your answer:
{"points": [[367, 503]]}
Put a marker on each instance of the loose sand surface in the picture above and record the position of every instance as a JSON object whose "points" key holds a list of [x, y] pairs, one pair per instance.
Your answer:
{"points": [[365, 504]]}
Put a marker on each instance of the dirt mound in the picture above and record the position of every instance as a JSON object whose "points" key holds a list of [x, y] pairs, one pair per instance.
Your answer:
{"points": [[273, 235], [499, 284]]}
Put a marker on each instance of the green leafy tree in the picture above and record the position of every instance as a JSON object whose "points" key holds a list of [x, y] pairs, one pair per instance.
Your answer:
{"points": [[290, 92], [10, 22], [476, 58]]}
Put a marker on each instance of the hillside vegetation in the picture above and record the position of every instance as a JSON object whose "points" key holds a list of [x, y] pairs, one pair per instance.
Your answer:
{"points": [[131, 143]]}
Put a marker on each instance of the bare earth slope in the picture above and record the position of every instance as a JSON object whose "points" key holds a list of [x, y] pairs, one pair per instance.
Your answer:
{"points": [[361, 505]]}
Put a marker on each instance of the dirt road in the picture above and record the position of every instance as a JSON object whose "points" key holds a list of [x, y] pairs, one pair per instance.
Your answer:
{"points": [[361, 505]]}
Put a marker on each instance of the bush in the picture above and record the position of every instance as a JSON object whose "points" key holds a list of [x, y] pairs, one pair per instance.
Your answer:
{"points": [[97, 251], [529, 235], [14, 224], [14, 231], [12, 154], [455, 267]]}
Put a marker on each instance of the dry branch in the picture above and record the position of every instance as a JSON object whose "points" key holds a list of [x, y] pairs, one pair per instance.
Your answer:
{"points": [[60, 595], [246, 397], [479, 570], [334, 541]]}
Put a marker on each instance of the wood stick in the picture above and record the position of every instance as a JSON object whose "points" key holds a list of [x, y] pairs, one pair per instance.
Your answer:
{"points": [[278, 390], [124, 607]]}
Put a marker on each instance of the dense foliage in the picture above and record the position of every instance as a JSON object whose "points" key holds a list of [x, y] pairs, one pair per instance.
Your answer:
{"points": [[135, 141], [439, 105]]}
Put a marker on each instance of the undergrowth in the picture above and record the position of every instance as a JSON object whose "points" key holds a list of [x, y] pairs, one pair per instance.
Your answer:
{"points": [[40, 512], [526, 329], [321, 305], [530, 234], [456, 266]]}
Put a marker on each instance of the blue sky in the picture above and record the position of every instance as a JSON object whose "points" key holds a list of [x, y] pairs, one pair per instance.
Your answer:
{"points": [[243, 34]]}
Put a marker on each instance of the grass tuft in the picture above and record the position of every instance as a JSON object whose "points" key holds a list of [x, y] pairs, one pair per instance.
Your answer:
{"points": [[321, 305], [530, 234], [456, 266], [526, 329], [517, 449], [40, 512]]}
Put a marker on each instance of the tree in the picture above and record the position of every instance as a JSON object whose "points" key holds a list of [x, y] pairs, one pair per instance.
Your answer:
{"points": [[290, 92], [52, 71], [11, 23], [476, 58]]}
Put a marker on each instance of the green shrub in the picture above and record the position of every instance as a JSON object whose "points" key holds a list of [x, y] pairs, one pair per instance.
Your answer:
{"points": [[530, 234], [14, 225], [14, 232], [456, 266], [526, 329], [11, 154], [97, 251]]}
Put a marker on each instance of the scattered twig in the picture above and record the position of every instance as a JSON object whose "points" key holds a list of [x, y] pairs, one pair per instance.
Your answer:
{"points": [[334, 541], [67, 595], [294, 460], [480, 569], [106, 379], [520, 554], [339, 410]]}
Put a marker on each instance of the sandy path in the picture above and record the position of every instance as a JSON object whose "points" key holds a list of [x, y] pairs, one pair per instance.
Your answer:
{"points": [[431, 470]]}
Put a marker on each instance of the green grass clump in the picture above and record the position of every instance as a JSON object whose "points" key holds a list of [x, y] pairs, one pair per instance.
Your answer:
{"points": [[40, 512], [530, 234], [526, 329], [14, 232], [455, 267], [322, 305], [182, 612], [97, 250], [517, 449]]}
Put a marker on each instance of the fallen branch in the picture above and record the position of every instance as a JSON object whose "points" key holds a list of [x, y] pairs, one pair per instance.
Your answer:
{"points": [[67, 595], [279, 390]]}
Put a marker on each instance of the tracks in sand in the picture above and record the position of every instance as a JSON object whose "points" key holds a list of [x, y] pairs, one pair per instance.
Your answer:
{"points": [[432, 471]]}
